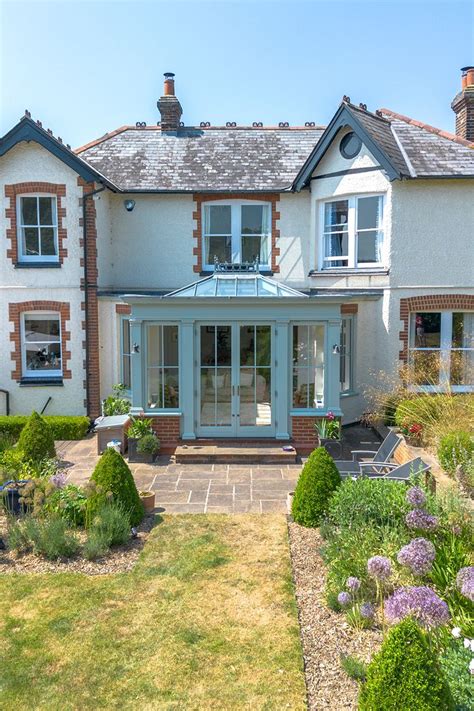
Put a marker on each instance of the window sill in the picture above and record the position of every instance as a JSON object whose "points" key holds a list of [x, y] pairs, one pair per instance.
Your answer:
{"points": [[323, 412], [348, 271], [41, 382], [38, 265], [264, 272], [151, 412]]}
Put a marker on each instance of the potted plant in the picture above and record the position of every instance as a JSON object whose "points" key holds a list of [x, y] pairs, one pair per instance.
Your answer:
{"points": [[148, 500], [329, 431], [140, 427], [413, 433], [147, 448]]}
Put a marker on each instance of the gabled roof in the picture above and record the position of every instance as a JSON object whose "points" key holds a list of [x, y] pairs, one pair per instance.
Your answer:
{"points": [[28, 130], [236, 285], [373, 130], [204, 159]]}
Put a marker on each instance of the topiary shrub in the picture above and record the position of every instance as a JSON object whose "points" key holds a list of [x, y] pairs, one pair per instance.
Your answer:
{"points": [[405, 675], [112, 474], [318, 481], [36, 439], [454, 450]]}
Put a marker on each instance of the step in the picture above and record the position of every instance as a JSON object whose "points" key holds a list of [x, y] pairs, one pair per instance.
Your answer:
{"points": [[234, 453]]}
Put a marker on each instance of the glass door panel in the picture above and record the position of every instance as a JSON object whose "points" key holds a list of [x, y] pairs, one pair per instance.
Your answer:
{"points": [[255, 378], [215, 400]]}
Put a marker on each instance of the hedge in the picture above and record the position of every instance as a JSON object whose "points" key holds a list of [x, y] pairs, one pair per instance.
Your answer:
{"points": [[63, 427]]}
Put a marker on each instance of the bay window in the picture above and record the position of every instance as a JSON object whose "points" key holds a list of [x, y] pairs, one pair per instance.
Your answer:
{"points": [[308, 366], [38, 228], [162, 380], [237, 233], [41, 345], [441, 349], [352, 234]]}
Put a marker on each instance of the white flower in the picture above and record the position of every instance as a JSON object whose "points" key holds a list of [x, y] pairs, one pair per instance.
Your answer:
{"points": [[472, 645], [471, 666], [456, 632], [467, 643]]}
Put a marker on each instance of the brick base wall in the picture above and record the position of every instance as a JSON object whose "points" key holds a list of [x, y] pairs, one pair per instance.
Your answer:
{"points": [[305, 437], [168, 429]]}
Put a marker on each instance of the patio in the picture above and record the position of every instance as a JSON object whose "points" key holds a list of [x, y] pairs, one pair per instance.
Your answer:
{"points": [[209, 488]]}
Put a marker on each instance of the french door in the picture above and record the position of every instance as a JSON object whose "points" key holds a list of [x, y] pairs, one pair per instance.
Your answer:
{"points": [[235, 378]]}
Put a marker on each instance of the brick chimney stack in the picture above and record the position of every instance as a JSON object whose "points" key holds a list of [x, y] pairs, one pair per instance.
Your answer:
{"points": [[169, 106], [463, 105]]}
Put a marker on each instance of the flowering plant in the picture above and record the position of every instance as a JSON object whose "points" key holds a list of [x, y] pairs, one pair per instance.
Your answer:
{"points": [[421, 519], [465, 582], [421, 603], [328, 427], [418, 556], [413, 432]]}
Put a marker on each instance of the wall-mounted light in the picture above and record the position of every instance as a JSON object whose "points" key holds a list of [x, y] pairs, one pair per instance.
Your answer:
{"points": [[336, 349], [129, 205], [136, 348]]}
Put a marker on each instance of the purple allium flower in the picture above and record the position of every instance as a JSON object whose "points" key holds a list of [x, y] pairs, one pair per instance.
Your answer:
{"points": [[379, 567], [418, 555], [58, 480], [465, 582], [344, 599], [353, 584], [416, 497], [421, 603], [421, 519], [367, 610]]}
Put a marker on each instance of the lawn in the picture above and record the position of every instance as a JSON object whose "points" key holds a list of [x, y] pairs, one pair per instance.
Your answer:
{"points": [[207, 619]]}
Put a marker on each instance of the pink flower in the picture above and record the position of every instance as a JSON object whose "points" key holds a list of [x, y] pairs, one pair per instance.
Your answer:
{"points": [[331, 415]]}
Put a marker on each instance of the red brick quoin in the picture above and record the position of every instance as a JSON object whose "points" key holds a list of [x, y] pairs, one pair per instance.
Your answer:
{"points": [[11, 192], [431, 302], [15, 311], [200, 198]]}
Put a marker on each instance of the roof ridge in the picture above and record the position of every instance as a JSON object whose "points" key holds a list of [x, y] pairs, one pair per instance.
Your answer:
{"points": [[96, 141], [428, 127], [366, 111]]}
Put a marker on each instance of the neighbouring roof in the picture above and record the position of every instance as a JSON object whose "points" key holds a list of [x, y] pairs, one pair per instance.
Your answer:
{"points": [[236, 285], [202, 159]]}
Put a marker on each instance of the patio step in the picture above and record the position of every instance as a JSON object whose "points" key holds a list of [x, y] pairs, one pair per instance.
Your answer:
{"points": [[234, 453]]}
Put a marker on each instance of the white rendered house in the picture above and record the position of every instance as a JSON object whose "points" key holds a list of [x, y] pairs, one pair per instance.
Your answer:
{"points": [[240, 281]]}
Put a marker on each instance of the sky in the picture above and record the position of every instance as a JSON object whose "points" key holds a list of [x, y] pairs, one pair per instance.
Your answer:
{"points": [[85, 68]]}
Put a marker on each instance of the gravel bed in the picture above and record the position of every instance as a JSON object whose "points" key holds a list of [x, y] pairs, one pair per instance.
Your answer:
{"points": [[325, 634], [117, 560]]}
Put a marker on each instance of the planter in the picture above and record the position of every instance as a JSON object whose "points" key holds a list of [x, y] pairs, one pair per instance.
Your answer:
{"points": [[148, 500], [137, 457], [11, 496], [332, 446]]}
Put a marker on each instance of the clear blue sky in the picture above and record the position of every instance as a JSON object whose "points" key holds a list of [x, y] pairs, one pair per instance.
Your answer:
{"points": [[85, 68]]}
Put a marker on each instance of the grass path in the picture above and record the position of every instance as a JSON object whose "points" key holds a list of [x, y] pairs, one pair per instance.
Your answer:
{"points": [[207, 620]]}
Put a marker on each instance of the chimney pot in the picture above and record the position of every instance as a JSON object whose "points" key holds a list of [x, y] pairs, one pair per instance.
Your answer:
{"points": [[168, 89]]}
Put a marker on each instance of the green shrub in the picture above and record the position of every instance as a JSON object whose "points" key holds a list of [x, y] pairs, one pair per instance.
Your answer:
{"points": [[117, 403], [354, 668], [140, 427], [112, 475], [69, 503], [36, 439], [7, 441], [455, 666], [405, 675], [63, 427], [317, 483], [12, 465], [96, 545], [455, 449], [112, 525], [49, 538], [365, 501], [18, 540], [148, 444]]}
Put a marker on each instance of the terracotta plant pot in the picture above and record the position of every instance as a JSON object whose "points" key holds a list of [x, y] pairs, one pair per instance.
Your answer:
{"points": [[148, 500]]}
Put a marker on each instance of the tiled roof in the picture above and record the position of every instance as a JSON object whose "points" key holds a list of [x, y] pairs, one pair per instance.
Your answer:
{"points": [[430, 151], [202, 159]]}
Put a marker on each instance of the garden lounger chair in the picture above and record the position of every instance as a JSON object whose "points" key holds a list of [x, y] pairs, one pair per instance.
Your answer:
{"points": [[395, 472], [381, 456]]}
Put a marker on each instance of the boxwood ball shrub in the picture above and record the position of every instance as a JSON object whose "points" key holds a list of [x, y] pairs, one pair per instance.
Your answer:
{"points": [[317, 483], [36, 439], [455, 449], [405, 675], [112, 474]]}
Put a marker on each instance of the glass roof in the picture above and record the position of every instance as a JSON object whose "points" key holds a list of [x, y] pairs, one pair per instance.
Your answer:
{"points": [[235, 285]]}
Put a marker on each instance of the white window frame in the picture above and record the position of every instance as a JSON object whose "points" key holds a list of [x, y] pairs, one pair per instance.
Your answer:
{"points": [[236, 229], [445, 349], [20, 226], [352, 263], [350, 319], [37, 374]]}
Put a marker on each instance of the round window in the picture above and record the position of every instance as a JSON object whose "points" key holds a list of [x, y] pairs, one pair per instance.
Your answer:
{"points": [[350, 145]]}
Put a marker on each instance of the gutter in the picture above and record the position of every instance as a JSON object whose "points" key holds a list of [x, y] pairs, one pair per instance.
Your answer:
{"points": [[86, 286]]}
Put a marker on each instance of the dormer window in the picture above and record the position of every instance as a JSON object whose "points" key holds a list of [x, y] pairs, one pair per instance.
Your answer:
{"points": [[237, 232], [352, 232], [38, 228]]}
